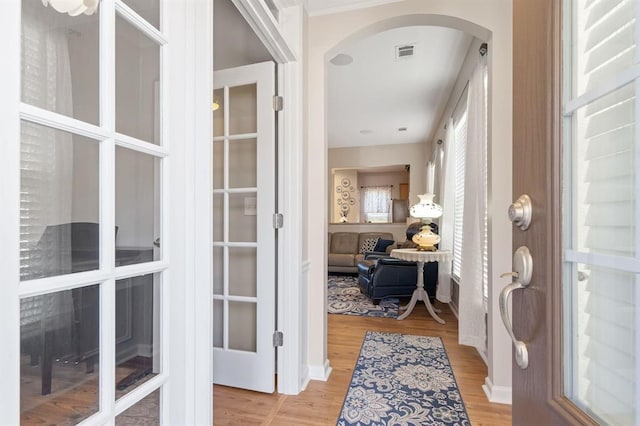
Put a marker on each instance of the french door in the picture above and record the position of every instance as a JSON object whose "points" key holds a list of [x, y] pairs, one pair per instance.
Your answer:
{"points": [[244, 238], [575, 153], [84, 270]]}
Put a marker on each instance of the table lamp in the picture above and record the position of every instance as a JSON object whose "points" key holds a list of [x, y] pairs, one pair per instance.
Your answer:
{"points": [[426, 210]]}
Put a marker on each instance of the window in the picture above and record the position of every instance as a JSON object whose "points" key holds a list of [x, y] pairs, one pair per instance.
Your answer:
{"points": [[375, 203], [602, 263], [460, 143]]}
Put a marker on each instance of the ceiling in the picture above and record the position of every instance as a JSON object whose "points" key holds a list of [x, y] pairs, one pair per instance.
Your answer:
{"points": [[376, 94]]}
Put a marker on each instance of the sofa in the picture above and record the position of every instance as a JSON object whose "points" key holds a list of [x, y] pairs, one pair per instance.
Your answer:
{"points": [[384, 276], [347, 249]]}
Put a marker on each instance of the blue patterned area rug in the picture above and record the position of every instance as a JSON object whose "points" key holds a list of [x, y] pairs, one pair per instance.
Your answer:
{"points": [[344, 297], [403, 380]]}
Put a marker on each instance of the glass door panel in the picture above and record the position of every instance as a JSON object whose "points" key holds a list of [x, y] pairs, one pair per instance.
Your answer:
{"points": [[59, 354], [242, 217], [54, 44], [72, 184], [601, 281], [59, 224], [136, 206], [242, 326], [137, 76], [242, 271], [243, 163], [137, 331], [243, 109], [145, 412]]}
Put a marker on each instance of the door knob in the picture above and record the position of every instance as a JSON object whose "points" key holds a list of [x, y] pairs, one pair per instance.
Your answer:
{"points": [[520, 212], [521, 277]]}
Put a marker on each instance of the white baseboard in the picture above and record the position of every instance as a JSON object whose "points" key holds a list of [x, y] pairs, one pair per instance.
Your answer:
{"points": [[497, 394], [320, 372]]}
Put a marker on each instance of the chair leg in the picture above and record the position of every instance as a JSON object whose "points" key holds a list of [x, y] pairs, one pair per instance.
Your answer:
{"points": [[47, 362]]}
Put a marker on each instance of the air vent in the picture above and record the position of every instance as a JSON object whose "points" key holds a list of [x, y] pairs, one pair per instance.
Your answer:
{"points": [[405, 51]]}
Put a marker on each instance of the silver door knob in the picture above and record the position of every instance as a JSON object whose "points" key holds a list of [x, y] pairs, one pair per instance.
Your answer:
{"points": [[520, 212]]}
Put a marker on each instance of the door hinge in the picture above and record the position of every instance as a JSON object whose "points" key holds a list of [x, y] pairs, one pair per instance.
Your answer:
{"points": [[278, 220], [278, 339], [278, 103]]}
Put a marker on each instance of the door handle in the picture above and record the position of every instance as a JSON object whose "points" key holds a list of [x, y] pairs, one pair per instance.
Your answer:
{"points": [[521, 277]]}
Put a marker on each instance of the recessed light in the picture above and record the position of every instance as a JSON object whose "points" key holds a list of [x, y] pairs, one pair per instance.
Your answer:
{"points": [[341, 59], [366, 131], [402, 129]]}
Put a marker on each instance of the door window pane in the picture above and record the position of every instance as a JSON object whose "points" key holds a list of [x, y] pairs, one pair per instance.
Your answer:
{"points": [[148, 9], [604, 311], [59, 220], [143, 413], [243, 163], [242, 271], [137, 76], [243, 217], [218, 165], [59, 356], [137, 331], [243, 111], [137, 207], [242, 326], [218, 323], [54, 44]]}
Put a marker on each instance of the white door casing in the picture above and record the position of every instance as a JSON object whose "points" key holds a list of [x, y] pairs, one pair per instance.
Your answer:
{"points": [[244, 248]]}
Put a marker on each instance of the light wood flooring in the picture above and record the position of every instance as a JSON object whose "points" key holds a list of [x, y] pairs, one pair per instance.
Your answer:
{"points": [[321, 402]]}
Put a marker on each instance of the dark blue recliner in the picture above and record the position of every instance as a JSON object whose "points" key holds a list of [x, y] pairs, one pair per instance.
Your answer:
{"points": [[391, 277]]}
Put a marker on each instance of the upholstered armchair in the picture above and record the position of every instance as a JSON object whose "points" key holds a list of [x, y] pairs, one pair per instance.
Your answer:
{"points": [[390, 277]]}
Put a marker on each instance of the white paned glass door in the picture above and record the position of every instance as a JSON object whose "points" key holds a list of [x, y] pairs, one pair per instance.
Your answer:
{"points": [[601, 280], [244, 245], [92, 160]]}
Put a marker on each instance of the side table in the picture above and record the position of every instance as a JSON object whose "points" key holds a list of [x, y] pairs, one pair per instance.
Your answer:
{"points": [[419, 294]]}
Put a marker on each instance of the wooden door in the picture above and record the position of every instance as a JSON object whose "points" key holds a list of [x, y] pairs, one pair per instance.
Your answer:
{"points": [[574, 153]]}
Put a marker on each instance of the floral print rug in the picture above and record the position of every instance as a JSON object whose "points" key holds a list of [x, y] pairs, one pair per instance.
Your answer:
{"points": [[344, 297], [401, 379]]}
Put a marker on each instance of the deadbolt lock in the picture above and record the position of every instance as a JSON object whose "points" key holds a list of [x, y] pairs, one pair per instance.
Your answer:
{"points": [[520, 212]]}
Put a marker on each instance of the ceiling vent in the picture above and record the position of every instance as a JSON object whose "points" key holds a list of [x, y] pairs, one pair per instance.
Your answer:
{"points": [[405, 51]]}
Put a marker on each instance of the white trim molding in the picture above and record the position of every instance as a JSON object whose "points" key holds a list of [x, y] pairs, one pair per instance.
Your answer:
{"points": [[497, 394], [320, 372]]}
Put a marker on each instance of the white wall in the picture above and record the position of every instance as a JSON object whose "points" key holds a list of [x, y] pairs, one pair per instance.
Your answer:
{"points": [[490, 20]]}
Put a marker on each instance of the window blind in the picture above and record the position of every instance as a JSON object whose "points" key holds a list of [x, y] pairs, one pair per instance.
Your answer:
{"points": [[601, 332], [460, 137]]}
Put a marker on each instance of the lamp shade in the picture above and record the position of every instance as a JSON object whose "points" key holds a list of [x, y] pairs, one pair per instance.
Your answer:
{"points": [[426, 208], [73, 7]]}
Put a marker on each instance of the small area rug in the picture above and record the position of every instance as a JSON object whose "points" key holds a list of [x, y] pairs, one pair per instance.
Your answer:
{"points": [[344, 297], [403, 380]]}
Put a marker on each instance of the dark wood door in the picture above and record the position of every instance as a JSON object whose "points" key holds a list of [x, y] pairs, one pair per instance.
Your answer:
{"points": [[537, 172]]}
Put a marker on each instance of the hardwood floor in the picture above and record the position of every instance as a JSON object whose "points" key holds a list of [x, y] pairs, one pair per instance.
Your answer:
{"points": [[321, 402]]}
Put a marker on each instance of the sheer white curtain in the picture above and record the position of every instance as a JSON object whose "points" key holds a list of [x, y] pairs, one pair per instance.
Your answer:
{"points": [[376, 200], [472, 329], [447, 201]]}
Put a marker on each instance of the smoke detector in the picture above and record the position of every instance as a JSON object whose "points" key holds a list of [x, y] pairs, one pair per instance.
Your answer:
{"points": [[405, 51]]}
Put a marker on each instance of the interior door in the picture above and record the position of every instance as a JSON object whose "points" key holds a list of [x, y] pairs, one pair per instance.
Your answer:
{"points": [[575, 151], [244, 244]]}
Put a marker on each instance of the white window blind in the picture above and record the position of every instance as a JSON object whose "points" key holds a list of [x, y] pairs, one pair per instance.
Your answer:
{"points": [[602, 269], [460, 137]]}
